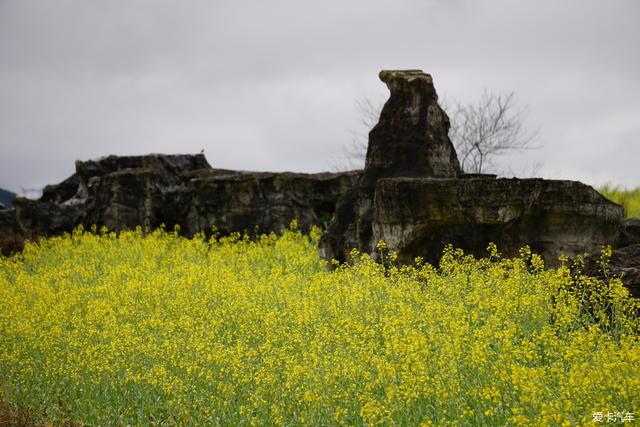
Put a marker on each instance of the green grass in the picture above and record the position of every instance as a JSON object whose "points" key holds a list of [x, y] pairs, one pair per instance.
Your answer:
{"points": [[629, 199]]}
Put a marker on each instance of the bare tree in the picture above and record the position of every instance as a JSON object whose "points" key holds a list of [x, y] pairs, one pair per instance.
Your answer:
{"points": [[480, 132], [491, 127], [355, 153]]}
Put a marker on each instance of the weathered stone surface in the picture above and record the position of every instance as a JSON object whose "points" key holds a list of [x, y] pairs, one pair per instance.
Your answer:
{"points": [[630, 234], [264, 201], [124, 192], [413, 196], [128, 198], [418, 217], [11, 239], [103, 192], [624, 263], [412, 135], [168, 167], [59, 193], [38, 218], [410, 139], [8, 224]]}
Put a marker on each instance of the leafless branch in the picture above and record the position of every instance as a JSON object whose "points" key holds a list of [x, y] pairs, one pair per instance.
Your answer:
{"points": [[489, 128]]}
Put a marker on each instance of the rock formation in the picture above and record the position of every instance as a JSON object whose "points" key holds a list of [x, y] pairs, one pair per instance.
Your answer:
{"points": [[418, 216], [624, 261], [413, 195], [8, 223], [412, 134], [411, 139], [264, 201], [124, 192], [630, 234]]}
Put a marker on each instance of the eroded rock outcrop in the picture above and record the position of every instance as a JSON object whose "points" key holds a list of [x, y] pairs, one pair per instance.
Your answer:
{"points": [[418, 217], [411, 139], [41, 218], [413, 196], [630, 234], [124, 192], [117, 192], [8, 224], [264, 200]]}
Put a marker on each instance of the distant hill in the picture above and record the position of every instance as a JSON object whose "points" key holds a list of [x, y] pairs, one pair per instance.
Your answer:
{"points": [[6, 197]]}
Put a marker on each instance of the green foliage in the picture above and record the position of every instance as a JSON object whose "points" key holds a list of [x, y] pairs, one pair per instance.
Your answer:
{"points": [[629, 199]]}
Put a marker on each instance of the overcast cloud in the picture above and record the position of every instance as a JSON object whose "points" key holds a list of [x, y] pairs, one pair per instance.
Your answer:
{"points": [[271, 85]]}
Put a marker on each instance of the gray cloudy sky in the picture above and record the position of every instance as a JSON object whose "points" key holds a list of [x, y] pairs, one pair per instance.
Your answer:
{"points": [[270, 85]]}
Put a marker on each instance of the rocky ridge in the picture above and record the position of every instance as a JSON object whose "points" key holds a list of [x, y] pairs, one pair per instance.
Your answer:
{"points": [[124, 192], [412, 194]]}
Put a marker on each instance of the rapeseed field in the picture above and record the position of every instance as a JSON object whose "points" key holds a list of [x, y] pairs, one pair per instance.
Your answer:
{"points": [[98, 328]]}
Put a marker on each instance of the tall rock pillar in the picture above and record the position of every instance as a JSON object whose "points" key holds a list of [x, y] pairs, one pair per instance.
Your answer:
{"points": [[410, 140]]}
